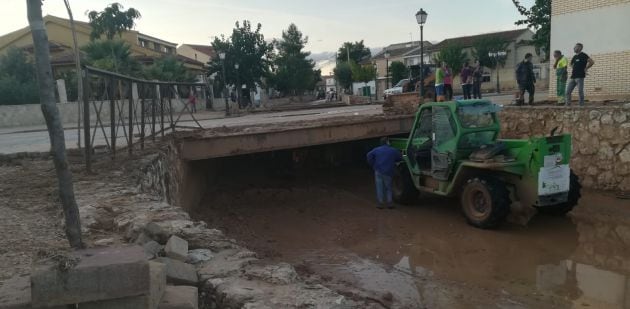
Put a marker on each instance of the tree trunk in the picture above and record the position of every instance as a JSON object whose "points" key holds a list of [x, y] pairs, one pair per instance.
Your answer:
{"points": [[77, 60], [53, 122]]}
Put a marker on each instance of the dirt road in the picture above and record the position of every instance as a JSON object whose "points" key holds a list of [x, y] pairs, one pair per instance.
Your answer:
{"points": [[425, 255]]}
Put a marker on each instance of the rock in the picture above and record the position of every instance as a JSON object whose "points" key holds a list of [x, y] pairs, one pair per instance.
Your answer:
{"points": [[282, 273], [224, 264], [99, 274], [607, 119], [142, 239], [620, 117], [156, 232], [149, 301], [595, 114], [624, 155], [180, 297], [626, 106], [179, 273], [15, 293], [176, 248], [104, 242], [199, 255], [152, 249]]}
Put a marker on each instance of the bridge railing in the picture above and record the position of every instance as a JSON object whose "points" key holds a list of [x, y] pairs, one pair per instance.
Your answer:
{"points": [[130, 111]]}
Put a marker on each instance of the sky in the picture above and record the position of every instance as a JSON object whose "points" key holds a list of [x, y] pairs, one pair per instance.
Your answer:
{"points": [[327, 23]]}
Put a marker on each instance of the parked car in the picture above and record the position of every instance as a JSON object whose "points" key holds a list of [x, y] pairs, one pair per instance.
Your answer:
{"points": [[397, 89]]}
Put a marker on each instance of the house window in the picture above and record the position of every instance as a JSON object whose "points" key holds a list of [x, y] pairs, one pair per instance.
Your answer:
{"points": [[195, 56], [156, 46], [143, 43]]}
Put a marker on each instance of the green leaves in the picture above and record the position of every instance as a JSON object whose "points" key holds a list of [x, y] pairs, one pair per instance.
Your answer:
{"points": [[483, 46], [18, 84], [453, 55], [363, 73], [112, 21], [398, 71], [168, 69], [112, 55], [537, 17], [356, 52], [343, 74], [294, 73]]}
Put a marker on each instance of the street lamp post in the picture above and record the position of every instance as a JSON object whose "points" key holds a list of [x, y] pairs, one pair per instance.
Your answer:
{"points": [[225, 92], [421, 18], [498, 55], [375, 82], [387, 70], [238, 86]]}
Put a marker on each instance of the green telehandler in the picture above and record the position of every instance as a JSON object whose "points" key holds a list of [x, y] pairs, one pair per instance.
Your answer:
{"points": [[453, 150]]}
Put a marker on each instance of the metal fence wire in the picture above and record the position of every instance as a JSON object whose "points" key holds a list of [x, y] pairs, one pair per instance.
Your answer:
{"points": [[138, 110]]}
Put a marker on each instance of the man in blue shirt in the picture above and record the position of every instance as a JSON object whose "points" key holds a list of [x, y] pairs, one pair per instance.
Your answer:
{"points": [[383, 160]]}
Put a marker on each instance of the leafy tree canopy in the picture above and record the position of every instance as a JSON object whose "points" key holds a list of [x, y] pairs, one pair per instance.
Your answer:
{"points": [[112, 21], [453, 55], [363, 73], [294, 73], [537, 17], [483, 46], [343, 74], [18, 84], [357, 52], [398, 71], [112, 56], [168, 69], [247, 47]]}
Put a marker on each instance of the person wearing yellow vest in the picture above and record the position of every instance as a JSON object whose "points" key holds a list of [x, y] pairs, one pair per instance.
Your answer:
{"points": [[562, 76], [439, 83]]}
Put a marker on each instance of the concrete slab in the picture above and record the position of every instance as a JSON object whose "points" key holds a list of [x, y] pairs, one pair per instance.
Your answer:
{"points": [[150, 301], [176, 248], [103, 273], [15, 293], [179, 273], [180, 297]]}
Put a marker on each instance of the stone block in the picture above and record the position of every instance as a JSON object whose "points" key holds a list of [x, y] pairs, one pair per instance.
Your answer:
{"points": [[197, 256], [180, 297], [152, 249], [99, 274], [178, 272], [15, 293], [150, 301], [176, 248]]}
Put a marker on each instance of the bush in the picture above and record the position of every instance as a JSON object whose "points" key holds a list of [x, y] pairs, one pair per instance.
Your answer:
{"points": [[18, 84]]}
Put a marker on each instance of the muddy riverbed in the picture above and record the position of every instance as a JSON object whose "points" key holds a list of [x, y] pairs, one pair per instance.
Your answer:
{"points": [[324, 221]]}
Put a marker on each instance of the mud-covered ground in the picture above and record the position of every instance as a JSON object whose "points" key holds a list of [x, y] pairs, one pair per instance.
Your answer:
{"points": [[325, 222]]}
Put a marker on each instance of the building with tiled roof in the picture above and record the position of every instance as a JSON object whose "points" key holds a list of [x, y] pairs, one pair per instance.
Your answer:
{"points": [[201, 53]]}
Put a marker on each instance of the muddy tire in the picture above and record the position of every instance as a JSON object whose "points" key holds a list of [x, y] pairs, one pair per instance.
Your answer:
{"points": [[574, 196], [403, 189], [485, 202]]}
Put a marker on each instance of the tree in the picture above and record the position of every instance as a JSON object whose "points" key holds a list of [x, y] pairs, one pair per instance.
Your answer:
{"points": [[483, 46], [168, 69], [356, 52], [537, 17], [112, 21], [343, 74], [293, 71], [363, 73], [248, 48], [398, 71], [453, 55], [18, 84], [53, 122], [112, 55]]}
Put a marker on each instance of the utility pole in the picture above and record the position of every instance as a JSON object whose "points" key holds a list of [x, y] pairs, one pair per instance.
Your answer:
{"points": [[53, 122]]}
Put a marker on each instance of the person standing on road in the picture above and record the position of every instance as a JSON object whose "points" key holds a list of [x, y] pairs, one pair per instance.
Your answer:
{"points": [[439, 84], [477, 79], [526, 79], [466, 77], [448, 82], [383, 160], [560, 66], [580, 63]]}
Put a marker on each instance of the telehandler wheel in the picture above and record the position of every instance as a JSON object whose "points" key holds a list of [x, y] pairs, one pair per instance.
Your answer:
{"points": [[575, 189], [486, 202], [404, 191]]}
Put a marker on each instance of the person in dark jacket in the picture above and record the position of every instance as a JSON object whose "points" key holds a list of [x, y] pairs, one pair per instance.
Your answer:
{"points": [[383, 160], [526, 79]]}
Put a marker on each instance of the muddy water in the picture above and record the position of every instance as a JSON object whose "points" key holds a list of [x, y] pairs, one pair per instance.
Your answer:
{"points": [[425, 255]]}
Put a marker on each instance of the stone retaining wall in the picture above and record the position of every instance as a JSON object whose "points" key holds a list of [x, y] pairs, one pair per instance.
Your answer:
{"points": [[601, 139]]}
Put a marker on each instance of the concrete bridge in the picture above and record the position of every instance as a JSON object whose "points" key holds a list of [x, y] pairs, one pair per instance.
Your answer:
{"points": [[246, 139]]}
